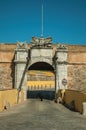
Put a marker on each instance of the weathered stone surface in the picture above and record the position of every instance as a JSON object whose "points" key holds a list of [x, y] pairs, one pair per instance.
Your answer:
{"points": [[6, 76], [7, 71], [6, 56], [77, 48], [7, 47], [84, 108], [77, 77], [79, 57], [76, 71]]}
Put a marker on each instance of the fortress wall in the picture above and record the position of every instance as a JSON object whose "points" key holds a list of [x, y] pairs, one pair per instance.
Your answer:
{"points": [[9, 97], [6, 66], [77, 57], [77, 77], [6, 56], [77, 68], [5, 76], [7, 47]]}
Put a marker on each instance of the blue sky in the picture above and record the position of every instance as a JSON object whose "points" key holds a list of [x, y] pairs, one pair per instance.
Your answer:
{"points": [[64, 20]]}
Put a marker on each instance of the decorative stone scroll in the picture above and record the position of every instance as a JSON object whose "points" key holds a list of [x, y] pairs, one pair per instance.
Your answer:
{"points": [[21, 45]]}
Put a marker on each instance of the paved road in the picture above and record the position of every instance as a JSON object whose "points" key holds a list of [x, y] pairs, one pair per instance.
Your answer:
{"points": [[36, 115]]}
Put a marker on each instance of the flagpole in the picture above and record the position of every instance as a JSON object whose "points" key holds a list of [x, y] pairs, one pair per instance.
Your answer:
{"points": [[42, 19]]}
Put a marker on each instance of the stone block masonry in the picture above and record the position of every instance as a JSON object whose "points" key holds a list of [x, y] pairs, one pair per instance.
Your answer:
{"points": [[7, 66], [6, 76], [74, 67], [77, 77]]}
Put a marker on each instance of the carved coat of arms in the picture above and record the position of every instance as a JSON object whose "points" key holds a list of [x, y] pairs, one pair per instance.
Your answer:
{"points": [[41, 41]]}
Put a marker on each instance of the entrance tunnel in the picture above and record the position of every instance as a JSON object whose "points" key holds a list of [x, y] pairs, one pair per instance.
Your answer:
{"points": [[41, 81]]}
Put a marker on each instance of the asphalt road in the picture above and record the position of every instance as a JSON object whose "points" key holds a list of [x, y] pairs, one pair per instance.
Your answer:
{"points": [[34, 114]]}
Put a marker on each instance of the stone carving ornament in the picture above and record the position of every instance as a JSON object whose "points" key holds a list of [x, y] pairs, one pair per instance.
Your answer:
{"points": [[21, 45], [41, 41]]}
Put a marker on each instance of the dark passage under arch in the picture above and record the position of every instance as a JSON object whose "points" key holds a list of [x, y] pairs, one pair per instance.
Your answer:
{"points": [[41, 66], [39, 72]]}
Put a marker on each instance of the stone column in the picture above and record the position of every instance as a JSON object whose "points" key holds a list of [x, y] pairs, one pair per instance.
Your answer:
{"points": [[21, 54], [61, 66]]}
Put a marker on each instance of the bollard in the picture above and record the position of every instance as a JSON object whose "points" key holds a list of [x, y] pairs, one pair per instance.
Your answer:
{"points": [[84, 108]]}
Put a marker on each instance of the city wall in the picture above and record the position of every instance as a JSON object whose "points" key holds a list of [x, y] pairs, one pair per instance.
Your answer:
{"points": [[9, 98], [76, 66]]}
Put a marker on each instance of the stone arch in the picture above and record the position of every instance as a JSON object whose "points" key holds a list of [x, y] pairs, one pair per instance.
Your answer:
{"points": [[35, 60], [41, 62], [44, 74]]}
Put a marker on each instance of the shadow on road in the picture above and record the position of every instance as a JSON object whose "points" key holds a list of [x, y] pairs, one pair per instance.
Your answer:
{"points": [[41, 94]]}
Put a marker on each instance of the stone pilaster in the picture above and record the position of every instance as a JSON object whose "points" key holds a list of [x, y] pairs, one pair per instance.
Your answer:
{"points": [[21, 54], [61, 66]]}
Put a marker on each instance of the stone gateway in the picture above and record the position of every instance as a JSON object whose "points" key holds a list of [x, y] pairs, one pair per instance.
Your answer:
{"points": [[42, 65]]}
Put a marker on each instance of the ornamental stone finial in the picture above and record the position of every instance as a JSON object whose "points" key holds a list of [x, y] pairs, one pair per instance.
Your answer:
{"points": [[21, 45], [61, 46]]}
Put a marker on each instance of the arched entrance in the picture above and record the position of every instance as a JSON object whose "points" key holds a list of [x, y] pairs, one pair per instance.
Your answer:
{"points": [[41, 79], [41, 55]]}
